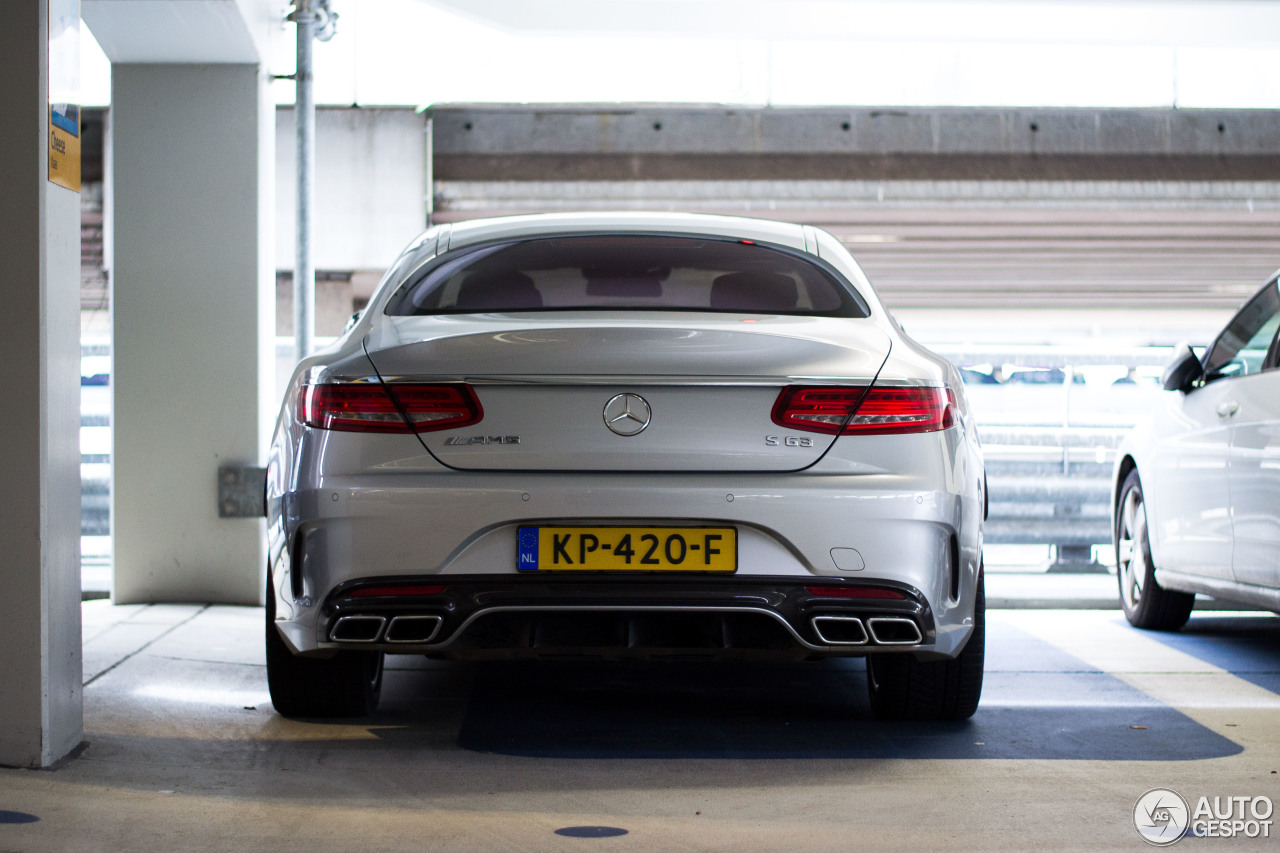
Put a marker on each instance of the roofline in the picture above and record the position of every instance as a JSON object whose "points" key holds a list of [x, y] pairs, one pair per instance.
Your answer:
{"points": [[473, 231]]}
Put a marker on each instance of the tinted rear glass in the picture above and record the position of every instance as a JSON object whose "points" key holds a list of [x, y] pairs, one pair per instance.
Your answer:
{"points": [[637, 272]]}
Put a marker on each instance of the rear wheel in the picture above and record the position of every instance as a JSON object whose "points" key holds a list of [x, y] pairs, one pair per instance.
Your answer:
{"points": [[903, 688], [348, 684], [1146, 604]]}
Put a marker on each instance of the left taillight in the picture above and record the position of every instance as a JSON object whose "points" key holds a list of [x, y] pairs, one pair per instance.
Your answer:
{"points": [[370, 408], [863, 411]]}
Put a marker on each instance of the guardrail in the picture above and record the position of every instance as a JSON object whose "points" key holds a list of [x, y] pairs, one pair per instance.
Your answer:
{"points": [[1050, 486], [1050, 419]]}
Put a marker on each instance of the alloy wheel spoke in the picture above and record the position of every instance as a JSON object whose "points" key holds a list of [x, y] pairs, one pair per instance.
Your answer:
{"points": [[1130, 553]]}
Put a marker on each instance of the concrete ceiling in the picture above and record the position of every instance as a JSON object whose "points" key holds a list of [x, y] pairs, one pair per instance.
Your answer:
{"points": [[1189, 53], [1098, 22], [237, 30]]}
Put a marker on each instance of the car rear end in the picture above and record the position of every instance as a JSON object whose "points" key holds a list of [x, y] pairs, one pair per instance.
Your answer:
{"points": [[732, 473]]}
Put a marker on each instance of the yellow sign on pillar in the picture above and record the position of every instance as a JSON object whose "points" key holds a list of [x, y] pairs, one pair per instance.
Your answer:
{"points": [[64, 93]]}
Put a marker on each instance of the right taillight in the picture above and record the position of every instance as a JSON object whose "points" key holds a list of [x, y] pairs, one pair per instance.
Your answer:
{"points": [[862, 411], [357, 407]]}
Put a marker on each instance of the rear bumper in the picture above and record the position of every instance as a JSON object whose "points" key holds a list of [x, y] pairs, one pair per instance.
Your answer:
{"points": [[483, 618], [616, 617], [917, 529]]}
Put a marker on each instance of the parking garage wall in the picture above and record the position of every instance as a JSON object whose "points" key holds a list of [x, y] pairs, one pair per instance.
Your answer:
{"points": [[1132, 200]]}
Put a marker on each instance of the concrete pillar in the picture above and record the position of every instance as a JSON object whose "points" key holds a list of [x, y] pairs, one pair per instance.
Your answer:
{"points": [[193, 325], [41, 708]]}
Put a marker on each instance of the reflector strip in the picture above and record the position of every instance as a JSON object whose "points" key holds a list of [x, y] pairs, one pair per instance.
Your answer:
{"points": [[855, 592], [375, 591]]}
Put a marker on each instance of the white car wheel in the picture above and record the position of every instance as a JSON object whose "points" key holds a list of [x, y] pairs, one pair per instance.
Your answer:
{"points": [[1131, 556], [1146, 604]]}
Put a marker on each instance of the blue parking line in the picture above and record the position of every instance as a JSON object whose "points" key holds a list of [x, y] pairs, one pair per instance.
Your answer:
{"points": [[1248, 647]]}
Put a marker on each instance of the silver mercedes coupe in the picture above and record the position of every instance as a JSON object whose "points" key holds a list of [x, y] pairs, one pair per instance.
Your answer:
{"points": [[653, 435]]}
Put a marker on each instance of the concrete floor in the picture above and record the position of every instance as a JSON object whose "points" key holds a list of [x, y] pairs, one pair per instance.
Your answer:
{"points": [[1081, 715]]}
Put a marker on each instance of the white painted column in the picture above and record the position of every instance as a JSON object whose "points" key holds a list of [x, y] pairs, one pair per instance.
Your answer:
{"points": [[41, 708], [193, 325]]}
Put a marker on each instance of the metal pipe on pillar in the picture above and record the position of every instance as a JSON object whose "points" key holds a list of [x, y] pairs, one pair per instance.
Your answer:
{"points": [[428, 167], [314, 21]]}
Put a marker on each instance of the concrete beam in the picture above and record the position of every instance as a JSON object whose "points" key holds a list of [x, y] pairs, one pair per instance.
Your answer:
{"points": [[521, 129], [190, 31], [718, 143]]}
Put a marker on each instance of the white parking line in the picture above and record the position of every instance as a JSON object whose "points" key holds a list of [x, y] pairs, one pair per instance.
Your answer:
{"points": [[1106, 642]]}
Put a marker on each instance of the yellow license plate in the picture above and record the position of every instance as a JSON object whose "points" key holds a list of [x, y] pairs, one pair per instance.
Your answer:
{"points": [[627, 549]]}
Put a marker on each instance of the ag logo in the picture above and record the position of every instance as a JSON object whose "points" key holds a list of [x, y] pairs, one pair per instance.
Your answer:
{"points": [[1161, 816]]}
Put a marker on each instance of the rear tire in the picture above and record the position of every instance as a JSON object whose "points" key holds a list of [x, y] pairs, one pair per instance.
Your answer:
{"points": [[903, 688], [1146, 604], [348, 684]]}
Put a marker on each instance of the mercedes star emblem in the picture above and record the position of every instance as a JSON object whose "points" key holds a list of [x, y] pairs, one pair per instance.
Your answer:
{"points": [[627, 414]]}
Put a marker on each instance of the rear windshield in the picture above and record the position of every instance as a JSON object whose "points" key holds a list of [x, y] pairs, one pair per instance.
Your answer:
{"points": [[638, 272]]}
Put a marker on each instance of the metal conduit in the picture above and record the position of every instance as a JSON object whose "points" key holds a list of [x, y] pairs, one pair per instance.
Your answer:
{"points": [[314, 21]]}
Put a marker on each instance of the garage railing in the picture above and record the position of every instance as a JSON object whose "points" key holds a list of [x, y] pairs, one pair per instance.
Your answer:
{"points": [[1051, 419]]}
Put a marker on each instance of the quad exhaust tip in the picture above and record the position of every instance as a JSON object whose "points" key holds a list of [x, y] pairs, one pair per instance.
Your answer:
{"points": [[894, 631], [400, 629], [840, 630], [413, 629], [358, 629], [881, 630]]}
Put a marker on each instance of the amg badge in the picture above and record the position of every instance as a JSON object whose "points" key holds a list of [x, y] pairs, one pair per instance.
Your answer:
{"points": [[464, 440]]}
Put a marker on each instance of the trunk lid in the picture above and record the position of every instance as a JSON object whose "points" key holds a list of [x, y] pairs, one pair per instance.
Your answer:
{"points": [[611, 396]]}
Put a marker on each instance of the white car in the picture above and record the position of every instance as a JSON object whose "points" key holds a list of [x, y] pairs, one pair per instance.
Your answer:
{"points": [[1196, 497], [625, 435]]}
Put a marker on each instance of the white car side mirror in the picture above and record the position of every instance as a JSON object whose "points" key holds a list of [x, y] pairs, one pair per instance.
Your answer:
{"points": [[1183, 370]]}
